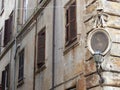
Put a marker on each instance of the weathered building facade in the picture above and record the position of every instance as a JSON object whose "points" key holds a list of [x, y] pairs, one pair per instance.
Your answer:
{"points": [[21, 68], [44, 44]]}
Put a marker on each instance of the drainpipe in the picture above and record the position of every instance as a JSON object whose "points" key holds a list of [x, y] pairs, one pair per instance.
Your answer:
{"points": [[16, 47], [53, 48], [35, 55], [14, 65]]}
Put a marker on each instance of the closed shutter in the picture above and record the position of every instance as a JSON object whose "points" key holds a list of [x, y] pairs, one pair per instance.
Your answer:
{"points": [[3, 79], [67, 26], [7, 31], [41, 49], [21, 66], [71, 26], [73, 30], [73, 21], [7, 77]]}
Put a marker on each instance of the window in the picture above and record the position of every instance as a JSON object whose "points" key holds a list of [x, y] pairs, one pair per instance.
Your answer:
{"points": [[25, 6], [21, 66], [2, 7], [8, 29], [41, 49], [5, 78], [71, 32]]}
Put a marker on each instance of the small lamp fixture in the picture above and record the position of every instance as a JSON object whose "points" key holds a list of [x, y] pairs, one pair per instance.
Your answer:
{"points": [[99, 43], [98, 57]]}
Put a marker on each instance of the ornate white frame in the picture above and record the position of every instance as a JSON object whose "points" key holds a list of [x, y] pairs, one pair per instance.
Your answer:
{"points": [[90, 36]]}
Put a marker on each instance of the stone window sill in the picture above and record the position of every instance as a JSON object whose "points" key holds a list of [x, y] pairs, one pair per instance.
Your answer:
{"points": [[20, 83], [40, 69], [1, 12], [71, 46]]}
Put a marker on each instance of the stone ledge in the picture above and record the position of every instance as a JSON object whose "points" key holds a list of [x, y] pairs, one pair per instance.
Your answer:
{"points": [[90, 67], [111, 79], [89, 2], [112, 7], [88, 55], [92, 81], [113, 21], [96, 88], [81, 83], [114, 34], [111, 63], [91, 8], [114, 1], [115, 49], [111, 88]]}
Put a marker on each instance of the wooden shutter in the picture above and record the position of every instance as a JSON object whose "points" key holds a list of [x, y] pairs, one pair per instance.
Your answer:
{"points": [[71, 32], [3, 79], [67, 26], [8, 30], [8, 75], [41, 49], [21, 66], [73, 21]]}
